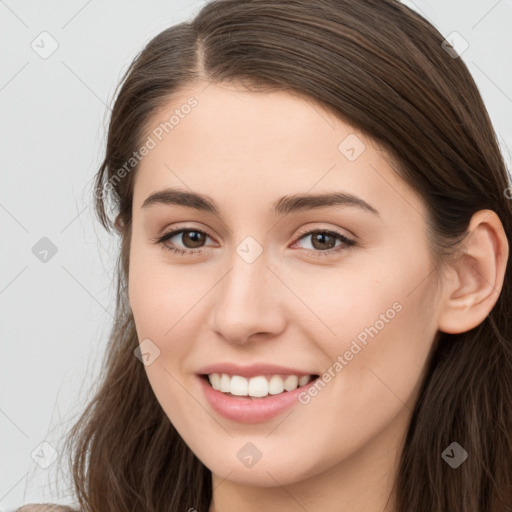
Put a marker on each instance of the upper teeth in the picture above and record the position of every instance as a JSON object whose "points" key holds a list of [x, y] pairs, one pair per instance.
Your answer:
{"points": [[256, 386]]}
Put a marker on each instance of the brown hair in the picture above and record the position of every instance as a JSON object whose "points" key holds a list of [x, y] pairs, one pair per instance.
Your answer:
{"points": [[382, 68]]}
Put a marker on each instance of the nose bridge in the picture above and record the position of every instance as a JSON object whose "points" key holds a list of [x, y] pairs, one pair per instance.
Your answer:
{"points": [[245, 299]]}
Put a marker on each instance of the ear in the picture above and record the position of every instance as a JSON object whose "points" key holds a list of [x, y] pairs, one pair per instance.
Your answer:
{"points": [[476, 278], [118, 224]]}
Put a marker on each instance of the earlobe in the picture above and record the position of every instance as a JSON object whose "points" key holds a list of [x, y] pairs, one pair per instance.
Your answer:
{"points": [[478, 275]]}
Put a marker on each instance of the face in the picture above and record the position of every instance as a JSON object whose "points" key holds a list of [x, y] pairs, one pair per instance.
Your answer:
{"points": [[342, 290]]}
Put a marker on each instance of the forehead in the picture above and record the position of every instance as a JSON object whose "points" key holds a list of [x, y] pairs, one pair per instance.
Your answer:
{"points": [[251, 124], [262, 145]]}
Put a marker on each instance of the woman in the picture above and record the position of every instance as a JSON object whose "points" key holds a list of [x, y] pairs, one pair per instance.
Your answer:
{"points": [[314, 284]]}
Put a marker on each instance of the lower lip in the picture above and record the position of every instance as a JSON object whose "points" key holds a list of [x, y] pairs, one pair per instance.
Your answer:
{"points": [[251, 410]]}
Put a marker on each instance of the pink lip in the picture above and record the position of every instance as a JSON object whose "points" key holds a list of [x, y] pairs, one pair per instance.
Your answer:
{"points": [[248, 409], [252, 370]]}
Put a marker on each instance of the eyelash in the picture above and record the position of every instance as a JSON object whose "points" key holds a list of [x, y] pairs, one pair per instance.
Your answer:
{"points": [[346, 242]]}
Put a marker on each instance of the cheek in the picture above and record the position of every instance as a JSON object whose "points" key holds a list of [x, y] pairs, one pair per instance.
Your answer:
{"points": [[166, 303], [159, 295], [376, 326], [160, 300], [368, 289], [382, 330]]}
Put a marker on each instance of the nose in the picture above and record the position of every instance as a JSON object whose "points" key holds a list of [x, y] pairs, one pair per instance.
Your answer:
{"points": [[247, 302]]}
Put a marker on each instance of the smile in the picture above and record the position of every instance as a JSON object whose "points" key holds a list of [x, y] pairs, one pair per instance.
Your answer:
{"points": [[249, 409], [258, 386]]}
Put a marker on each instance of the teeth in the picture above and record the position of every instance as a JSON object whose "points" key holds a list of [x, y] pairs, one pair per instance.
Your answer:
{"points": [[224, 384], [305, 379], [290, 383], [239, 386], [276, 385], [258, 386]]}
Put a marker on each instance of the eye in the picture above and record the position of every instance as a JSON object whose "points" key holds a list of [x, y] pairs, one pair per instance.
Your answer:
{"points": [[191, 238], [323, 241]]}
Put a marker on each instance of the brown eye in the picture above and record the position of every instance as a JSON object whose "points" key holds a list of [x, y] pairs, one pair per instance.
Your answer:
{"points": [[324, 241], [193, 239]]}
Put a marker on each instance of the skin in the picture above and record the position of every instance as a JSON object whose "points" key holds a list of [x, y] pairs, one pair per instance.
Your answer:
{"points": [[246, 150]]}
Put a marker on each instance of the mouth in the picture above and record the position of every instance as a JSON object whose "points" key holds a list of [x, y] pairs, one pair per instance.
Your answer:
{"points": [[257, 387]]}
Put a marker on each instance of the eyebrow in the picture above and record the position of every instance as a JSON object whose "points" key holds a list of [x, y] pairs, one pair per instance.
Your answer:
{"points": [[283, 206]]}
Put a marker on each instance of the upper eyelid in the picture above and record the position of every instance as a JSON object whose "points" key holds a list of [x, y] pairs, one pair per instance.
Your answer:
{"points": [[173, 232], [338, 231]]}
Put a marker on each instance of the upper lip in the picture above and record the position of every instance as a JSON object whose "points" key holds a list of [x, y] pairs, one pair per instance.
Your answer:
{"points": [[251, 370]]}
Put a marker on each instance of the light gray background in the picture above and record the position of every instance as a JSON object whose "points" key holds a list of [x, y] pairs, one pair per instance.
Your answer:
{"points": [[56, 315]]}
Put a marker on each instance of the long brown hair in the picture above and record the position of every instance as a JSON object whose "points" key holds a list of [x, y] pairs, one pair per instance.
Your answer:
{"points": [[383, 69]]}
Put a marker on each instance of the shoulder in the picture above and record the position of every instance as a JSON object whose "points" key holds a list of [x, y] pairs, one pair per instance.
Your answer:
{"points": [[45, 507]]}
